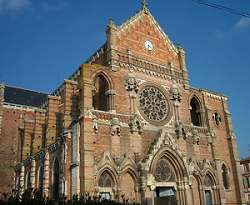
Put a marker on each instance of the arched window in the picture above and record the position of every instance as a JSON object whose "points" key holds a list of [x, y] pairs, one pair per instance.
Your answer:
{"points": [[100, 98], [106, 181], [20, 145], [163, 172], [208, 181], [40, 180], [56, 179], [195, 112], [225, 177]]}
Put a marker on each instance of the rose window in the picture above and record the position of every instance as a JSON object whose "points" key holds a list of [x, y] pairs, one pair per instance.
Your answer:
{"points": [[162, 171], [153, 104]]}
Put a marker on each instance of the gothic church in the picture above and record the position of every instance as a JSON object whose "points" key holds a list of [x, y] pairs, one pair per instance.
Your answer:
{"points": [[125, 125]]}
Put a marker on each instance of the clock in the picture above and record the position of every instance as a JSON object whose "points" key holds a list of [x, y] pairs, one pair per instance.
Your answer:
{"points": [[148, 45]]}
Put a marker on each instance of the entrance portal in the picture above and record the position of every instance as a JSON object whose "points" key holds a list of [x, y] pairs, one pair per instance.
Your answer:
{"points": [[208, 197], [164, 195]]}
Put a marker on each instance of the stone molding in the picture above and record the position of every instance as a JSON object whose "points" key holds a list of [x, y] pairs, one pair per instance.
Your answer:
{"points": [[55, 146], [28, 161], [40, 155]]}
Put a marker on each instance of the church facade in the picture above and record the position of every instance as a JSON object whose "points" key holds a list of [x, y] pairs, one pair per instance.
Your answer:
{"points": [[125, 126]]}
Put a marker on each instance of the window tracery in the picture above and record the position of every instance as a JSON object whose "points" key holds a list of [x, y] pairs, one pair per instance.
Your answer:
{"points": [[217, 119], [154, 104], [163, 171], [105, 180], [207, 181]]}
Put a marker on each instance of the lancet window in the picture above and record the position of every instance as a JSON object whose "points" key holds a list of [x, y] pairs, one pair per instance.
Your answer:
{"points": [[195, 112]]}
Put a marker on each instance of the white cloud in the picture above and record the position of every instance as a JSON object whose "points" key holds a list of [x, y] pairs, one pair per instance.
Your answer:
{"points": [[13, 5], [242, 23]]}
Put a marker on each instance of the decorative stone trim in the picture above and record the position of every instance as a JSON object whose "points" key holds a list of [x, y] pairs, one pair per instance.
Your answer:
{"points": [[28, 161], [180, 131], [29, 121], [156, 73], [115, 126], [55, 146], [175, 93], [70, 82], [196, 137], [18, 167], [96, 55], [75, 164], [232, 136], [135, 124], [19, 107], [40, 155], [54, 97]]}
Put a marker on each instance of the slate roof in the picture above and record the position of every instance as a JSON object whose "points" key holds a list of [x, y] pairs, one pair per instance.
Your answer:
{"points": [[24, 97]]}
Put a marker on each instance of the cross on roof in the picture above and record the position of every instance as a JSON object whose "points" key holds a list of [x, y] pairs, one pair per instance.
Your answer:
{"points": [[144, 3]]}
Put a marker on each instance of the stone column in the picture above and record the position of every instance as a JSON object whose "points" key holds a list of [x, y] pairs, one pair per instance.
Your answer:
{"points": [[33, 173], [21, 188], [46, 175]]}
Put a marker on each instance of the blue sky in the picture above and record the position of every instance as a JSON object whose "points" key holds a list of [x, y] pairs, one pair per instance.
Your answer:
{"points": [[43, 42]]}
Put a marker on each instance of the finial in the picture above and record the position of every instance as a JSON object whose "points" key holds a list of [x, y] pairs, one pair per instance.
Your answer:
{"points": [[111, 24], [144, 3], [2, 85]]}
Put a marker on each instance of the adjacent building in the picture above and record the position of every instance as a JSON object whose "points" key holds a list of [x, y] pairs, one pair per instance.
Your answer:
{"points": [[126, 125], [245, 168]]}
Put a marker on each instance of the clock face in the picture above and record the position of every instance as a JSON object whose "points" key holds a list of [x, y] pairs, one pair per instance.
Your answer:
{"points": [[149, 45]]}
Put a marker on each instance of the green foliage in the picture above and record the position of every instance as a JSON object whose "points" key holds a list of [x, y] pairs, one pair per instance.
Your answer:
{"points": [[32, 197]]}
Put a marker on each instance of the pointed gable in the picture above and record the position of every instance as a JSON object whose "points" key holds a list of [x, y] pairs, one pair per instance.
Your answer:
{"points": [[143, 27]]}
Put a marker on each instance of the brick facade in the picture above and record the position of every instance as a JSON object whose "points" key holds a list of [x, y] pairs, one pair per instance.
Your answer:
{"points": [[126, 125]]}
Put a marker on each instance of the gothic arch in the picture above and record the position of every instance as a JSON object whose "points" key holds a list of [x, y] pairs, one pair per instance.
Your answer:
{"points": [[129, 186], [211, 176], [111, 170], [27, 180], [170, 175], [132, 171], [195, 107], [105, 75], [225, 175], [107, 183], [55, 178], [196, 193], [211, 191], [40, 178], [175, 161], [102, 91]]}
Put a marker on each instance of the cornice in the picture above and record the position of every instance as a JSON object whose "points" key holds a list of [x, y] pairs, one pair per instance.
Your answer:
{"points": [[55, 146], [40, 155], [154, 72], [19, 107]]}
